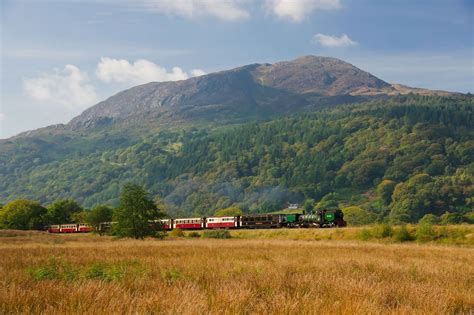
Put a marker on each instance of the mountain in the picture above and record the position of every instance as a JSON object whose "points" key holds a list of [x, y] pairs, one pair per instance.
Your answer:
{"points": [[259, 136], [252, 91]]}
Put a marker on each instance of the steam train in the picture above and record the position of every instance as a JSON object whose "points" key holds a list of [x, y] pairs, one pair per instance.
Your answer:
{"points": [[320, 219]]}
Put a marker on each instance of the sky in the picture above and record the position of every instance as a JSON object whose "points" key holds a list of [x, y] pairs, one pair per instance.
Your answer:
{"points": [[59, 57]]}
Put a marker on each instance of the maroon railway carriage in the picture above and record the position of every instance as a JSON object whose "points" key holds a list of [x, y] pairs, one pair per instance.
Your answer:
{"points": [[222, 222], [54, 228]]}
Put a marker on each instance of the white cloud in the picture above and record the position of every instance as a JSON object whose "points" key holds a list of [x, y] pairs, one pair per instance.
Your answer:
{"points": [[141, 71], [2, 116], [334, 41], [298, 10], [227, 10], [68, 87], [197, 72]]}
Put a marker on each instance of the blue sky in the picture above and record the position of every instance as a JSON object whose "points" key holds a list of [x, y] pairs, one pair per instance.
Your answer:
{"points": [[60, 57]]}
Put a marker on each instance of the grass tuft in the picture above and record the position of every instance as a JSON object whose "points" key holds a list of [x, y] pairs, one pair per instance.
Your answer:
{"points": [[222, 234], [58, 269]]}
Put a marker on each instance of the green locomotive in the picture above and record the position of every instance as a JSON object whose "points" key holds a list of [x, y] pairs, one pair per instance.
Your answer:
{"points": [[319, 219], [323, 218]]}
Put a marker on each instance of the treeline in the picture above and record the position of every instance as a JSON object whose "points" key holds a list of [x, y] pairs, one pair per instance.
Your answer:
{"points": [[136, 216], [132, 217], [23, 214], [398, 160]]}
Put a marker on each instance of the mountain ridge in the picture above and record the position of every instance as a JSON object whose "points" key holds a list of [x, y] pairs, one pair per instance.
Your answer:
{"points": [[252, 90]]}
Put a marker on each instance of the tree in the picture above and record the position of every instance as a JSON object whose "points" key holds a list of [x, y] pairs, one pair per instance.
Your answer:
{"points": [[98, 215], [62, 211], [135, 213], [328, 201], [357, 216], [228, 212], [385, 190], [308, 205], [23, 215], [79, 217], [412, 200]]}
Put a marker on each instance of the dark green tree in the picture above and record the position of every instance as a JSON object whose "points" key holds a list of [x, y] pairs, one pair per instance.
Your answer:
{"points": [[385, 190], [136, 213], [23, 215], [99, 214], [63, 211]]}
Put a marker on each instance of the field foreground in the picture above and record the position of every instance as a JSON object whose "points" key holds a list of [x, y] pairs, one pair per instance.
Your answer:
{"points": [[86, 273]]}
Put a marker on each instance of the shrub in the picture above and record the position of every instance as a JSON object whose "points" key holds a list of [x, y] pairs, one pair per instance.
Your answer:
{"points": [[194, 234], [171, 275], [217, 234], [429, 218], [382, 231], [425, 233], [451, 218], [403, 235], [469, 217], [176, 233], [98, 271], [364, 235], [54, 269]]}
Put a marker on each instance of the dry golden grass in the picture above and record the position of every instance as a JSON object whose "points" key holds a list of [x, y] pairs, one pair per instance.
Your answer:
{"points": [[100, 275]]}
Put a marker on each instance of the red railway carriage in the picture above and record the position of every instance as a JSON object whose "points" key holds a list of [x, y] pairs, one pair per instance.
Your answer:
{"points": [[84, 228], [54, 228], [189, 223], [167, 224], [68, 228], [222, 222]]}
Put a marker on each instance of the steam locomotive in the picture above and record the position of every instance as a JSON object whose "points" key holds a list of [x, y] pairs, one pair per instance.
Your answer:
{"points": [[327, 218]]}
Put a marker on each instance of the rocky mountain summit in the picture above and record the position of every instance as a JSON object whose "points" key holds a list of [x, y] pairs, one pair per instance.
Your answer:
{"points": [[254, 90]]}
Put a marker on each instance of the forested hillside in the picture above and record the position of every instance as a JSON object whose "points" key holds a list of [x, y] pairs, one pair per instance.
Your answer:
{"points": [[398, 159]]}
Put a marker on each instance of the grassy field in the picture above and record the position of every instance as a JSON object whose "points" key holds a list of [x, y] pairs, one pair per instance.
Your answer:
{"points": [[273, 271]]}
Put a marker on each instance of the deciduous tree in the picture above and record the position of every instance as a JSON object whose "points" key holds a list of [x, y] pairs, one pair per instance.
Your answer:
{"points": [[136, 213], [23, 215]]}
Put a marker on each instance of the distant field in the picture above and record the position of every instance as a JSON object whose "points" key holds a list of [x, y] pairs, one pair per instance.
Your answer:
{"points": [[272, 271]]}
